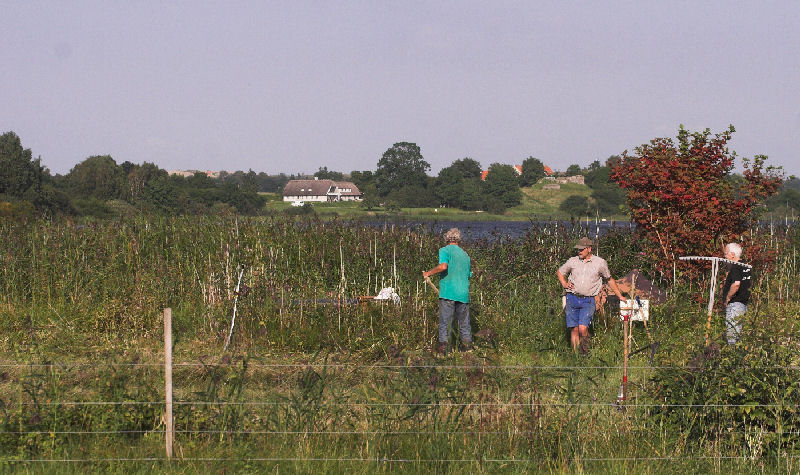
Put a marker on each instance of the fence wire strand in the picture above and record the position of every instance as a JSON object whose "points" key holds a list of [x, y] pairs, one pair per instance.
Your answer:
{"points": [[323, 432], [387, 460], [200, 364], [399, 404]]}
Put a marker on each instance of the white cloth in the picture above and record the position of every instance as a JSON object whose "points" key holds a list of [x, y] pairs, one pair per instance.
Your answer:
{"points": [[388, 293]]}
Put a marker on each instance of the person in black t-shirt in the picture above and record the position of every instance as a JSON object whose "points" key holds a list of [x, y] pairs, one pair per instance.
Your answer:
{"points": [[736, 292]]}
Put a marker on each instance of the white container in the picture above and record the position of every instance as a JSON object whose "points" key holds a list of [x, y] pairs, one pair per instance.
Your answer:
{"points": [[639, 313]]}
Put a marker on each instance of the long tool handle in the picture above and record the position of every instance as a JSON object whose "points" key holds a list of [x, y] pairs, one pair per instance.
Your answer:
{"points": [[625, 325], [711, 292], [430, 282]]}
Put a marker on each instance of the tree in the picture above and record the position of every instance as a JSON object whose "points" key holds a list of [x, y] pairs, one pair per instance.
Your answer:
{"points": [[472, 197], [575, 205], [532, 171], [362, 178], [200, 180], [324, 174], [161, 194], [494, 205], [20, 175], [502, 182], [449, 187], [450, 183], [681, 196], [96, 177], [573, 170], [608, 196], [401, 166], [793, 183], [610, 199], [137, 177], [598, 176], [250, 182], [467, 168], [788, 198], [370, 199], [413, 196]]}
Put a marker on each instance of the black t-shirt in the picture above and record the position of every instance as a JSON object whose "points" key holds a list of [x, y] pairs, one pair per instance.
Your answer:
{"points": [[742, 275]]}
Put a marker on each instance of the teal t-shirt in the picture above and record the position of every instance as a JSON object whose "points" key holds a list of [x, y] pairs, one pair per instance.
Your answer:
{"points": [[454, 284]]}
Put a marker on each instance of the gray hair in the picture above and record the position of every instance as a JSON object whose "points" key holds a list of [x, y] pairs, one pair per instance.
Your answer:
{"points": [[452, 235], [734, 248]]}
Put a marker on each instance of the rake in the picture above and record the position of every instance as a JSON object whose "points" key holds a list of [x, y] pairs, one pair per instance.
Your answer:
{"points": [[714, 269]]}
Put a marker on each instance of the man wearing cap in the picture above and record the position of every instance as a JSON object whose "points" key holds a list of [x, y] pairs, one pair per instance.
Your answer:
{"points": [[586, 273]]}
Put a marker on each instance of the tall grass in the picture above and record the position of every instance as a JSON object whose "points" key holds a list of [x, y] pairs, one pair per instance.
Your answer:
{"points": [[360, 383]]}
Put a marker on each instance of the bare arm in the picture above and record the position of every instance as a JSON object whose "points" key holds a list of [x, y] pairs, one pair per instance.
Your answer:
{"points": [[612, 284], [563, 280], [440, 268], [734, 288]]}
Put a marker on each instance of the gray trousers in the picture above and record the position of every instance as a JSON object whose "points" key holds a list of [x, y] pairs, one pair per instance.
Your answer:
{"points": [[448, 308], [733, 321]]}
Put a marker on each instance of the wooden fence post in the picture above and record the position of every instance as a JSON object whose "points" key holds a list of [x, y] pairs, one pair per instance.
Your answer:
{"points": [[170, 430]]}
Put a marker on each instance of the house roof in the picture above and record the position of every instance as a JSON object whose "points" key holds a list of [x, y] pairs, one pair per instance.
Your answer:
{"points": [[307, 187], [354, 191], [517, 168], [319, 188]]}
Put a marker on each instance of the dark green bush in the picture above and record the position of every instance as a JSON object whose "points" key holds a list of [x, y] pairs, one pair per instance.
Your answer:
{"points": [[575, 205], [745, 394]]}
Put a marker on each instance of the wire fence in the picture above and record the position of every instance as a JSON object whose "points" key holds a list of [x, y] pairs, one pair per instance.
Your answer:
{"points": [[381, 460], [240, 432], [440, 404], [200, 364], [392, 402]]}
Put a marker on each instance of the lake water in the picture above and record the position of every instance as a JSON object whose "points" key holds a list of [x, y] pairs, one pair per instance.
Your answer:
{"points": [[474, 230]]}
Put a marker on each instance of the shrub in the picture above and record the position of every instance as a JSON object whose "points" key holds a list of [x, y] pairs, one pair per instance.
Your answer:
{"points": [[749, 389], [575, 205], [93, 207]]}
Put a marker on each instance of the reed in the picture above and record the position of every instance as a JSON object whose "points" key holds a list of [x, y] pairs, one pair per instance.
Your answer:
{"points": [[362, 384]]}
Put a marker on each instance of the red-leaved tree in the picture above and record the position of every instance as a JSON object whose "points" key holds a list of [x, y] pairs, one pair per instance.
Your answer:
{"points": [[684, 198]]}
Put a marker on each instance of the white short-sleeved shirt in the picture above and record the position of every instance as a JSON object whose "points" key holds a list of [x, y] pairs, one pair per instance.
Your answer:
{"points": [[586, 276]]}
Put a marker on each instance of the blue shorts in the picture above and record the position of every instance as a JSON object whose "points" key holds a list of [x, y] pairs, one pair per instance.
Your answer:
{"points": [[579, 310]]}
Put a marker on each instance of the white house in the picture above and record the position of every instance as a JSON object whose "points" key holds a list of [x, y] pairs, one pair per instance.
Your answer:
{"points": [[321, 191]]}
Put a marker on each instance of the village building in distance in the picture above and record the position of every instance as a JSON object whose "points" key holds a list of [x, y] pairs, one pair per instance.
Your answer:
{"points": [[298, 191], [553, 182], [548, 172], [190, 173]]}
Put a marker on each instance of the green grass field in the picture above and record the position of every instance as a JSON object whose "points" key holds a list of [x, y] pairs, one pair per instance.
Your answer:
{"points": [[537, 203]]}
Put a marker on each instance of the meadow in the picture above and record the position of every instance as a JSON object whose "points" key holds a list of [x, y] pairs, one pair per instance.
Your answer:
{"points": [[536, 201], [315, 381]]}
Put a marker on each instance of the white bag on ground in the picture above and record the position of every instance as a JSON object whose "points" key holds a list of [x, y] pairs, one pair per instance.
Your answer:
{"points": [[388, 293]]}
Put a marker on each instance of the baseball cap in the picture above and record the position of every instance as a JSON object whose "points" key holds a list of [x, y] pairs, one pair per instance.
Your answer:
{"points": [[583, 243]]}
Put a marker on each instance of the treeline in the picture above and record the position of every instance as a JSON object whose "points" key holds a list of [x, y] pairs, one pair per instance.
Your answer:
{"points": [[98, 186], [788, 200], [401, 180]]}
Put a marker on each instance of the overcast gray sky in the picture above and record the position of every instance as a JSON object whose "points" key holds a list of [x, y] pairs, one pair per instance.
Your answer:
{"points": [[293, 86]]}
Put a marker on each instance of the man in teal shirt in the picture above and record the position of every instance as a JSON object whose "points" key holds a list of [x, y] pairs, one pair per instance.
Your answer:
{"points": [[453, 290]]}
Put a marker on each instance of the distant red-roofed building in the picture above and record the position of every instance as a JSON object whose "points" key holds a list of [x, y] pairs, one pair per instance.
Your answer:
{"points": [[518, 168]]}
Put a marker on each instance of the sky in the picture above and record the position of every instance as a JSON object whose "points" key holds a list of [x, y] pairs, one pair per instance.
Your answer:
{"points": [[294, 86]]}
